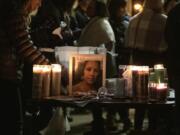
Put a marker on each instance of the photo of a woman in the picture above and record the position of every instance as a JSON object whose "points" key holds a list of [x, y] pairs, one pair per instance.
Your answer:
{"points": [[90, 77], [87, 73]]}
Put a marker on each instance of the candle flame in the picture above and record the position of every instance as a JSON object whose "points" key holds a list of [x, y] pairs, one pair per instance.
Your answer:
{"points": [[159, 66], [37, 68], [139, 68]]}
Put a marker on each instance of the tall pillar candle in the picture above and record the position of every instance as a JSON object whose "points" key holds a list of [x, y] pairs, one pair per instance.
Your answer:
{"points": [[46, 80], [37, 81], [162, 91], [56, 80], [140, 81]]}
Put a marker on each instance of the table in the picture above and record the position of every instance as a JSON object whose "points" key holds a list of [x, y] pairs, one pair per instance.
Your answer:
{"points": [[108, 102], [88, 102]]}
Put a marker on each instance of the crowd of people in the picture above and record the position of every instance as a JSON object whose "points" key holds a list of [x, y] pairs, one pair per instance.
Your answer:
{"points": [[27, 26]]}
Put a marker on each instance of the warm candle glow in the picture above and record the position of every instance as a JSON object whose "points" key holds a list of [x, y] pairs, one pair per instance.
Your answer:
{"points": [[56, 79], [56, 68], [138, 7], [139, 68], [159, 66], [158, 91], [37, 68], [46, 68], [161, 86]]}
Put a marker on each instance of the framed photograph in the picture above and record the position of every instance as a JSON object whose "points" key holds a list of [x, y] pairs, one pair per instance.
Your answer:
{"points": [[86, 72]]}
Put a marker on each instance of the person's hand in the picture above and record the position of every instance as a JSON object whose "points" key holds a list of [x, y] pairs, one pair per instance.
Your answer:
{"points": [[57, 32]]}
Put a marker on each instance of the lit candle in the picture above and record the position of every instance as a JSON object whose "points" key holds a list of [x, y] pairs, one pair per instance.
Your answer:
{"points": [[162, 90], [158, 91], [46, 71], [140, 81], [37, 81], [56, 80], [152, 93]]}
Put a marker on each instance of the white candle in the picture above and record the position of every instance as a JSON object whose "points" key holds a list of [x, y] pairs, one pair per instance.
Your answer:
{"points": [[56, 79], [46, 71], [37, 81]]}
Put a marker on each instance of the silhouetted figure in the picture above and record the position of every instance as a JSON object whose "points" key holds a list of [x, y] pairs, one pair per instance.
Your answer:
{"points": [[172, 32], [145, 36], [16, 47]]}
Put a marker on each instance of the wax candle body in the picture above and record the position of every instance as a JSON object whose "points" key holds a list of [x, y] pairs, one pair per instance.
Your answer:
{"points": [[46, 80], [56, 80], [37, 81], [158, 91], [162, 91], [140, 82]]}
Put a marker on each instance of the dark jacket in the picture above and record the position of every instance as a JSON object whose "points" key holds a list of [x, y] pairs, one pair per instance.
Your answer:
{"points": [[119, 27], [44, 23]]}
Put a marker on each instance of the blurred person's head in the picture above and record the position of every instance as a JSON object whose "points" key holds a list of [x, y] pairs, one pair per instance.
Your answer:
{"points": [[22, 6], [117, 8], [97, 8], [155, 5], [31, 6], [65, 5], [169, 4], [83, 4]]}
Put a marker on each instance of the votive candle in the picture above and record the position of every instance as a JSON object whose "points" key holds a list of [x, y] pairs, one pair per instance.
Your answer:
{"points": [[46, 71], [37, 81]]}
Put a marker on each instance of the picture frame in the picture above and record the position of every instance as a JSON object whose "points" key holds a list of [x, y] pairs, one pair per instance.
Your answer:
{"points": [[77, 65]]}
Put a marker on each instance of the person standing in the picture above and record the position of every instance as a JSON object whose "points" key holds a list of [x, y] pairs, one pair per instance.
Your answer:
{"points": [[99, 33], [80, 13], [119, 20], [145, 37], [16, 47], [145, 34]]}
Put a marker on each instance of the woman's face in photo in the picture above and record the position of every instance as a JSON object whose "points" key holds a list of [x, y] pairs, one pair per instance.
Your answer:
{"points": [[91, 71]]}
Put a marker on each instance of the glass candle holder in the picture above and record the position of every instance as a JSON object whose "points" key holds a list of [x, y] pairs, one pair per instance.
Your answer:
{"points": [[140, 75], [162, 91], [158, 91]]}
